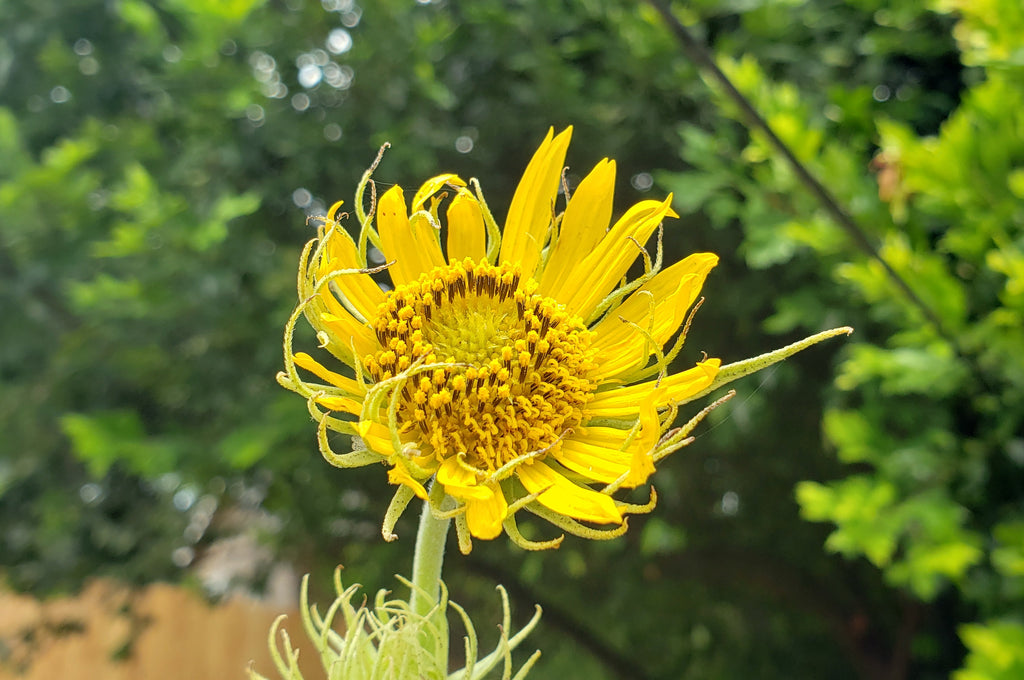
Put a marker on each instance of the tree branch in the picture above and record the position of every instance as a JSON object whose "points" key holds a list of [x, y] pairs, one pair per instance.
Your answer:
{"points": [[700, 56]]}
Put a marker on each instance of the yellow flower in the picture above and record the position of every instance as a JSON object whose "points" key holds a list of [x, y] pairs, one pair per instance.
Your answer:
{"points": [[517, 367]]}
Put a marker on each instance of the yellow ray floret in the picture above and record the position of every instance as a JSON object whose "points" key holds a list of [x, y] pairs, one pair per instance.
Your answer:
{"points": [[583, 225], [532, 209], [558, 493], [466, 230], [598, 273], [340, 254], [650, 315]]}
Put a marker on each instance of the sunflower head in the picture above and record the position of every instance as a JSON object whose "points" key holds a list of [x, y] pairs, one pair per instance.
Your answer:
{"points": [[516, 367]]}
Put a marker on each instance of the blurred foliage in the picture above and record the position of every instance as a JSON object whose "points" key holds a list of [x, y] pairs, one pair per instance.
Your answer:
{"points": [[997, 651], [160, 160], [931, 408]]}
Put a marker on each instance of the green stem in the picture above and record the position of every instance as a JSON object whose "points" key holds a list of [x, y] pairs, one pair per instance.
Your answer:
{"points": [[429, 557]]}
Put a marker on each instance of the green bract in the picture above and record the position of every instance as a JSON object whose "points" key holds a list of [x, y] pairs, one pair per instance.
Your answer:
{"points": [[390, 641]]}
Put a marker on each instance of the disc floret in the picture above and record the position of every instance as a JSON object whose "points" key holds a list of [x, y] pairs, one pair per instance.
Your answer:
{"points": [[515, 364]]}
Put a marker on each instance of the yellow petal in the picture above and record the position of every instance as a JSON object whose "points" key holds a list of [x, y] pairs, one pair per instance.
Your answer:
{"points": [[377, 437], [532, 207], [359, 289], [427, 237], [622, 347], [598, 273], [642, 465], [399, 474], [344, 404], [412, 244], [484, 517], [565, 497], [583, 225], [622, 402], [669, 295], [600, 452], [461, 482], [432, 186], [598, 462], [598, 435], [303, 360], [328, 315], [466, 232], [346, 332], [396, 236]]}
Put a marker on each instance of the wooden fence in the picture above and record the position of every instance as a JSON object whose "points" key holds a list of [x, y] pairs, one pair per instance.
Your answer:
{"points": [[109, 632]]}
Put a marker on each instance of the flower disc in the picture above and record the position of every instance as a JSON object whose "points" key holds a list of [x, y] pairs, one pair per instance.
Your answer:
{"points": [[514, 368]]}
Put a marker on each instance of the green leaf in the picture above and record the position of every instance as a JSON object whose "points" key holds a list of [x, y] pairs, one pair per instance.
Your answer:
{"points": [[995, 651], [928, 566], [690, 190], [213, 231], [861, 507], [1008, 556], [245, 446], [856, 438], [108, 296], [140, 16], [932, 370], [224, 10], [660, 537], [103, 438]]}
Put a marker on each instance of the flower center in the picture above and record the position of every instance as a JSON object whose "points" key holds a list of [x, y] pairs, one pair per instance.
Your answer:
{"points": [[516, 364]]}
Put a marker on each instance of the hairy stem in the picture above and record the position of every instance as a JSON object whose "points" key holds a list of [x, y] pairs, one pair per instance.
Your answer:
{"points": [[428, 557]]}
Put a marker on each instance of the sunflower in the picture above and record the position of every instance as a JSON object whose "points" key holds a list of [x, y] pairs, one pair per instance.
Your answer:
{"points": [[516, 367]]}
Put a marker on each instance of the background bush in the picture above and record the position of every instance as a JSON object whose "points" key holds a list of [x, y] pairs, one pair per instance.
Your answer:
{"points": [[856, 512]]}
